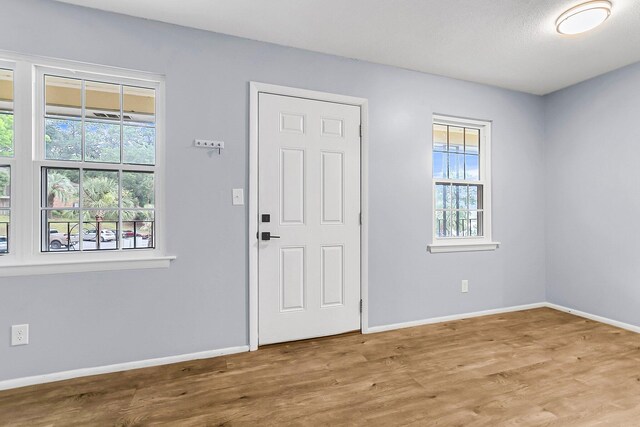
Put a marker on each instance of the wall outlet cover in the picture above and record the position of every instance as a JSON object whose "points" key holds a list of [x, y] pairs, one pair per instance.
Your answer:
{"points": [[20, 334]]}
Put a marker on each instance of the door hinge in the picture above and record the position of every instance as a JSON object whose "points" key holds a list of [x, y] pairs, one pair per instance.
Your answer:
{"points": [[360, 218], [360, 131], [360, 306]]}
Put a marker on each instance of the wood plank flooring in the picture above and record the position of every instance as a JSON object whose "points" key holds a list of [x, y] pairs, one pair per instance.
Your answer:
{"points": [[530, 368]]}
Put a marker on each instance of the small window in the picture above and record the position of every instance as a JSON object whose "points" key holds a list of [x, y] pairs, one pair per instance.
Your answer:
{"points": [[98, 188], [461, 177]]}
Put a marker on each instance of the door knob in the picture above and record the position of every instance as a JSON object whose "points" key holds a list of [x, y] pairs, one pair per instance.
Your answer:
{"points": [[266, 235]]}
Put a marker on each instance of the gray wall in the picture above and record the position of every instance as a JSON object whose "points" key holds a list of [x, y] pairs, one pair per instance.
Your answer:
{"points": [[200, 303], [593, 195]]}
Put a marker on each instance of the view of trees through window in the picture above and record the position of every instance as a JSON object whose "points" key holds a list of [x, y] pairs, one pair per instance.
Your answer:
{"points": [[84, 207], [99, 122], [94, 199], [6, 135], [456, 172]]}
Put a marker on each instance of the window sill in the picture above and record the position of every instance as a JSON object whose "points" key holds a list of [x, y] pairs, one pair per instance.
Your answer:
{"points": [[437, 248], [81, 266]]}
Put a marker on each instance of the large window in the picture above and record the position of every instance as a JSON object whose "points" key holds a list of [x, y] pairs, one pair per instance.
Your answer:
{"points": [[461, 176], [81, 167], [98, 190], [6, 155]]}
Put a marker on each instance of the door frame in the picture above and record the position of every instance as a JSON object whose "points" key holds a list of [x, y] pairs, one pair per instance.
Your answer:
{"points": [[255, 88]]}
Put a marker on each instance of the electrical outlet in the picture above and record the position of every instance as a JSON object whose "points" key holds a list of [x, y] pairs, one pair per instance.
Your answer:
{"points": [[19, 334], [465, 286]]}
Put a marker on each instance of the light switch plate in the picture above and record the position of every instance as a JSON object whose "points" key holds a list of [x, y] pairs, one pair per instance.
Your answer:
{"points": [[238, 197], [465, 286]]}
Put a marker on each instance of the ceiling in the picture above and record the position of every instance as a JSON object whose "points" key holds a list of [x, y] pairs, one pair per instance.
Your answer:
{"points": [[507, 43]]}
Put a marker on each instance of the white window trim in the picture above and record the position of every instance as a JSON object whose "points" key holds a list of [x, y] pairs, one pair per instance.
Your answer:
{"points": [[467, 244], [25, 257]]}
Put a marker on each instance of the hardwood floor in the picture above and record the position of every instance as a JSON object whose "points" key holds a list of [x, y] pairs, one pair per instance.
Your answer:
{"points": [[536, 367]]}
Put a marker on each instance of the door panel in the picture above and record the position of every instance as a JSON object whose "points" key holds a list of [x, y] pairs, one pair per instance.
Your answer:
{"points": [[332, 187], [309, 183], [292, 186], [292, 279]]}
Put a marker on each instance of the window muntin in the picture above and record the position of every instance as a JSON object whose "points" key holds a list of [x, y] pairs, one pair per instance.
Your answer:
{"points": [[98, 190], [459, 179]]}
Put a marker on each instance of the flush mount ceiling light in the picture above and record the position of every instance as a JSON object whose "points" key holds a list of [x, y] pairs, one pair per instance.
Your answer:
{"points": [[583, 17]]}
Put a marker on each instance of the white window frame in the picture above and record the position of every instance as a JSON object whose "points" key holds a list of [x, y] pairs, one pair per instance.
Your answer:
{"points": [[11, 162], [466, 243], [26, 257]]}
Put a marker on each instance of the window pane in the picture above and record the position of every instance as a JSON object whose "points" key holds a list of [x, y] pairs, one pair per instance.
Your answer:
{"points": [[139, 105], [6, 135], [99, 230], [100, 190], [456, 139], [473, 223], [440, 137], [5, 186], [4, 231], [138, 229], [139, 145], [476, 226], [63, 139], [472, 141], [6, 113], [62, 188], [475, 197], [462, 223], [451, 224], [6, 90], [456, 166], [459, 198], [471, 169], [440, 165], [440, 224], [102, 101], [102, 142], [443, 196], [5, 204], [138, 190], [61, 230], [63, 96]]}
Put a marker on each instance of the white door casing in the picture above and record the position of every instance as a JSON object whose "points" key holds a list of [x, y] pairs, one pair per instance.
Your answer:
{"points": [[309, 185]]}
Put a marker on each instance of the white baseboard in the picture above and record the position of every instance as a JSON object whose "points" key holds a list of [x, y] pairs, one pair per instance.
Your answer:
{"points": [[85, 372], [594, 317], [376, 329]]}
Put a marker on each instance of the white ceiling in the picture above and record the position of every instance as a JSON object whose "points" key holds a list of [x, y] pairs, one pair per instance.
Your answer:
{"points": [[507, 43]]}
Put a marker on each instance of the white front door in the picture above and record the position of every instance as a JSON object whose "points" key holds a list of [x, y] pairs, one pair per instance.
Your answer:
{"points": [[309, 202]]}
